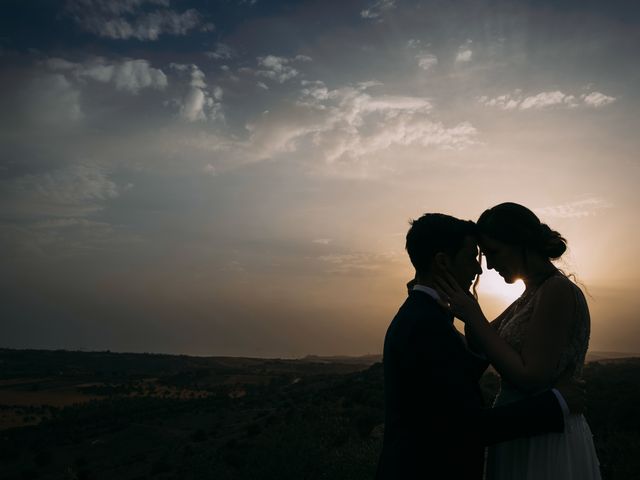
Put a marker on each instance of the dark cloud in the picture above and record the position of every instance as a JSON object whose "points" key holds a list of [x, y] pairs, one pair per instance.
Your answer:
{"points": [[144, 20]]}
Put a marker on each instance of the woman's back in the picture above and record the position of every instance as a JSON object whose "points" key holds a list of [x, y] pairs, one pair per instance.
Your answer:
{"points": [[514, 328]]}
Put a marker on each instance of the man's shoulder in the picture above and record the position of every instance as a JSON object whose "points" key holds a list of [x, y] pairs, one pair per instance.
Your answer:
{"points": [[421, 304], [418, 312]]}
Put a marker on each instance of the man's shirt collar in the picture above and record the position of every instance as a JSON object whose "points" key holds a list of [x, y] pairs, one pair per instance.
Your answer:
{"points": [[435, 295], [428, 290]]}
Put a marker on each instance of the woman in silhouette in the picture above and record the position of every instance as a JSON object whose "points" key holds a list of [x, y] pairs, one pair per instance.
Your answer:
{"points": [[540, 337]]}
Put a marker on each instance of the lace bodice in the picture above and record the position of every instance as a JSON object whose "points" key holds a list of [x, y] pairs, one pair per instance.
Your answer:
{"points": [[569, 455], [514, 326]]}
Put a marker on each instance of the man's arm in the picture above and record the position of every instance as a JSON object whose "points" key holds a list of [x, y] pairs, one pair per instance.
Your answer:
{"points": [[451, 402], [451, 409]]}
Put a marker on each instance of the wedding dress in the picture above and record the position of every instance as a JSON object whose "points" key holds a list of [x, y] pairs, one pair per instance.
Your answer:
{"points": [[568, 456]]}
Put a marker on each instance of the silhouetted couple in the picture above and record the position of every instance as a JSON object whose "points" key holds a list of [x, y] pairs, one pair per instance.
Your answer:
{"points": [[435, 423]]}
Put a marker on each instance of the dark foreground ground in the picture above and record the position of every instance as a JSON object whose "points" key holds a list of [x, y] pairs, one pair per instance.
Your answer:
{"points": [[76, 415]]}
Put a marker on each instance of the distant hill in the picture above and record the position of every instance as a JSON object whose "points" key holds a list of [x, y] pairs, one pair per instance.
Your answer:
{"points": [[344, 359], [371, 359], [18, 363], [106, 364], [604, 356]]}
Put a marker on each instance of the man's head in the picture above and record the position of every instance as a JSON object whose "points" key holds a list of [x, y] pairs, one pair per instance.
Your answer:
{"points": [[437, 242]]}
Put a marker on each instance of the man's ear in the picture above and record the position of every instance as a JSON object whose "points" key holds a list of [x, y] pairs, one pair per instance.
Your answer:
{"points": [[441, 261]]}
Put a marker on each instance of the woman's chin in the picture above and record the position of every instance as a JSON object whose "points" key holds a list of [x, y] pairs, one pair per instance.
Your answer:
{"points": [[507, 278]]}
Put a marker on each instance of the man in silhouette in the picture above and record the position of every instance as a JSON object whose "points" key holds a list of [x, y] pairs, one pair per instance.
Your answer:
{"points": [[435, 423]]}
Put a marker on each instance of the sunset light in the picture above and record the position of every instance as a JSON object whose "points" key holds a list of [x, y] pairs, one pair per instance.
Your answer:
{"points": [[493, 285]]}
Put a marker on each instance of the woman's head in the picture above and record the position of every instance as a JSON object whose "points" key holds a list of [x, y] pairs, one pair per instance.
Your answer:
{"points": [[510, 235]]}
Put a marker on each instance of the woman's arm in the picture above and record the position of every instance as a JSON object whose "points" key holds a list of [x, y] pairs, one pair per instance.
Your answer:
{"points": [[548, 333], [472, 342], [495, 323]]}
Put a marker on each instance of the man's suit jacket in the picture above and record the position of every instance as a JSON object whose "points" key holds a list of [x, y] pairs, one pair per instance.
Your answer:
{"points": [[435, 423]]}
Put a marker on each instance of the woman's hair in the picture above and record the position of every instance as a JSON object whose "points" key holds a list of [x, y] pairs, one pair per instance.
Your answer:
{"points": [[516, 225]]}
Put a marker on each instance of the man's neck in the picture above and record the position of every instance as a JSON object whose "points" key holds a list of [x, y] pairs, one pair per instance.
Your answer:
{"points": [[429, 284], [426, 281]]}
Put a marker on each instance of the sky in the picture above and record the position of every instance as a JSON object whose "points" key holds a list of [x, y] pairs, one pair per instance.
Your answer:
{"points": [[237, 177]]}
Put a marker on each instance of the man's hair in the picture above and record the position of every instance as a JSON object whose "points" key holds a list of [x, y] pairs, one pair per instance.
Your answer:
{"points": [[433, 233]]}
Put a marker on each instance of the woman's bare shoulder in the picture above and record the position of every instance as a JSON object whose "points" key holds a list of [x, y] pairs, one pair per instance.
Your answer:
{"points": [[558, 284], [557, 293]]}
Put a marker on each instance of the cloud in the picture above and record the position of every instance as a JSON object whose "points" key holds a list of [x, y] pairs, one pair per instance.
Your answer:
{"points": [[150, 26], [347, 126], [464, 52], [68, 223], [313, 94], [71, 191], [547, 99], [427, 60], [377, 8], [276, 68], [597, 99], [199, 103], [57, 212], [505, 102], [322, 241], [222, 51], [339, 130], [125, 19], [129, 76], [544, 100], [113, 7], [194, 104], [60, 64], [357, 263], [580, 208], [52, 99]]}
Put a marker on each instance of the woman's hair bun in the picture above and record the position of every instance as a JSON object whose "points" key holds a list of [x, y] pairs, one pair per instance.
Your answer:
{"points": [[551, 243], [515, 224]]}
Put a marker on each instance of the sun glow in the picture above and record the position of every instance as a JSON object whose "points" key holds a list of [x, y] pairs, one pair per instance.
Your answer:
{"points": [[493, 285]]}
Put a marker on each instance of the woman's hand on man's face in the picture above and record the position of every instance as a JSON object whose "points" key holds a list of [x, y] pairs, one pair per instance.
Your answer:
{"points": [[460, 302]]}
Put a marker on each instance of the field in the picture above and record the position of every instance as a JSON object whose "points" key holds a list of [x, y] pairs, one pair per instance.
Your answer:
{"points": [[102, 415]]}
